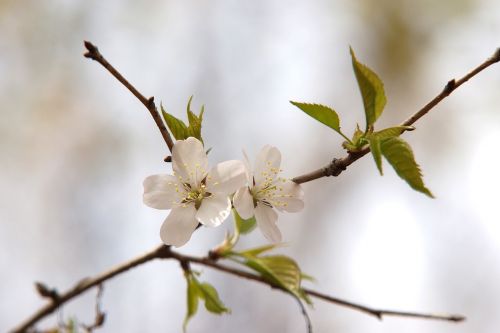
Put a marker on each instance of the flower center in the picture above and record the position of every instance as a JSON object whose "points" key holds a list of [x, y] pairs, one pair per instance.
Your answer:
{"points": [[270, 193], [195, 195]]}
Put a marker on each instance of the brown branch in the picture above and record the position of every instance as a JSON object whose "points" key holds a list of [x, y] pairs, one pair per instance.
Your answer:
{"points": [[94, 54], [381, 313], [87, 284], [336, 167], [372, 311], [165, 252], [100, 316]]}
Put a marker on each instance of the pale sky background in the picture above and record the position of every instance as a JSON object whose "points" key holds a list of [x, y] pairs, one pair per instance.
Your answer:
{"points": [[75, 147]]}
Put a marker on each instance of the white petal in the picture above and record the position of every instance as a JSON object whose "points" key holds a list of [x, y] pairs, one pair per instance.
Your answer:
{"points": [[289, 196], [179, 226], [214, 210], [226, 177], [266, 220], [162, 191], [248, 167], [243, 203], [267, 164], [190, 161]]}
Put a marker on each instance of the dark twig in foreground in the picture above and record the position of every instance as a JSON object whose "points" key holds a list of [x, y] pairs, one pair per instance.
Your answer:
{"points": [[336, 167], [94, 54], [165, 252]]}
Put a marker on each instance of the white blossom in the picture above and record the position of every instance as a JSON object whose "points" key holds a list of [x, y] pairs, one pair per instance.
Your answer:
{"points": [[193, 194], [266, 193]]}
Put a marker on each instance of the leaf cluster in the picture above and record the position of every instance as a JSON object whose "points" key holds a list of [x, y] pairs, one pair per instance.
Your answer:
{"points": [[179, 129], [201, 291], [385, 142]]}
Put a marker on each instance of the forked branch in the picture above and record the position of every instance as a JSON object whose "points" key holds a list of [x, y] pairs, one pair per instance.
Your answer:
{"points": [[338, 165], [94, 54], [335, 168], [165, 252]]}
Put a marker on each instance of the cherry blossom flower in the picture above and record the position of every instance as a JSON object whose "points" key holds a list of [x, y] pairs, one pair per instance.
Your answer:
{"points": [[193, 194], [266, 192]]}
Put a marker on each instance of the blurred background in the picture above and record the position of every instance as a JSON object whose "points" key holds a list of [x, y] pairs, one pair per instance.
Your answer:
{"points": [[75, 147]]}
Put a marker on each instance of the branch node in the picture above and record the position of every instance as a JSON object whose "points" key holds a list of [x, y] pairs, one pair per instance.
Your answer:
{"points": [[496, 55], [93, 51], [450, 86], [335, 168], [151, 103], [164, 252], [213, 255], [47, 292], [185, 266], [457, 318]]}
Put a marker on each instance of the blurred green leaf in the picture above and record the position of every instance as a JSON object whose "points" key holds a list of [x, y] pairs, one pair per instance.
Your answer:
{"points": [[244, 226], [391, 132], [399, 154], [307, 277], [321, 113], [192, 299], [72, 326], [255, 252], [375, 148], [372, 90], [212, 300], [197, 290], [279, 270]]}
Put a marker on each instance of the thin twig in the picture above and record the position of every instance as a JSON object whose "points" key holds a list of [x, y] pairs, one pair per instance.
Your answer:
{"points": [[336, 167], [165, 252], [87, 284], [100, 316], [372, 311], [94, 54], [381, 313], [304, 314]]}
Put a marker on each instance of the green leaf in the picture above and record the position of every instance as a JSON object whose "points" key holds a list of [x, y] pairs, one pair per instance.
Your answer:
{"points": [[179, 129], [176, 126], [192, 299], [376, 149], [357, 141], [205, 292], [357, 135], [244, 226], [285, 269], [212, 301], [391, 132], [72, 325], [321, 113], [194, 128], [256, 251], [372, 90], [279, 270], [308, 277], [399, 154]]}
